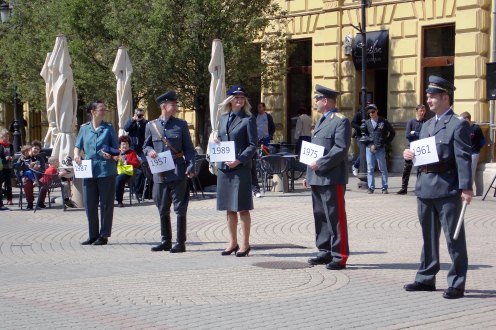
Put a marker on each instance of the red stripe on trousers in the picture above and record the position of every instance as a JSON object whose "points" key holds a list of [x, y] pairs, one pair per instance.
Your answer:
{"points": [[343, 233]]}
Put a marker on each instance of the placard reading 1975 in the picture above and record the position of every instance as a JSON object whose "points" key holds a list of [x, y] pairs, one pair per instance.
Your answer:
{"points": [[222, 151], [425, 151], [84, 170], [162, 163], [310, 152]]}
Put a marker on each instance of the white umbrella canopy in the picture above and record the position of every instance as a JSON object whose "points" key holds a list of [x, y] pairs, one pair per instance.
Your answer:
{"points": [[50, 106], [217, 70], [123, 69], [64, 98]]}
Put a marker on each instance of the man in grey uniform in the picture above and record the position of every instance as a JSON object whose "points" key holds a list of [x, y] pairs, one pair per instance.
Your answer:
{"points": [[162, 134], [441, 188], [327, 177]]}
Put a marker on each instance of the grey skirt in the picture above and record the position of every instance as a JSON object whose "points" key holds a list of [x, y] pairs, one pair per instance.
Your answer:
{"points": [[234, 190]]}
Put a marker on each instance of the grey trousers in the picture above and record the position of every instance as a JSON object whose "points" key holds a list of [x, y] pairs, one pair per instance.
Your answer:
{"points": [[99, 191]]}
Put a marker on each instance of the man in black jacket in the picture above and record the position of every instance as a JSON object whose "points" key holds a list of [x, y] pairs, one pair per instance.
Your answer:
{"points": [[135, 127], [380, 133], [412, 133]]}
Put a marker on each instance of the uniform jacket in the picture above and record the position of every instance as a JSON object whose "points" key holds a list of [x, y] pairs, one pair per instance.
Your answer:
{"points": [[382, 134], [91, 141], [176, 131], [334, 134], [136, 130], [453, 148], [243, 131]]}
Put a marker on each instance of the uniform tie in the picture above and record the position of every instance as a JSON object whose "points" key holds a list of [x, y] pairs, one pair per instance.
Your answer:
{"points": [[322, 120], [231, 119]]}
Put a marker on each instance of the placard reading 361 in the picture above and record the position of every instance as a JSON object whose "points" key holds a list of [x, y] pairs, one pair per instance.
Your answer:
{"points": [[222, 151], [162, 163], [310, 152], [425, 151]]}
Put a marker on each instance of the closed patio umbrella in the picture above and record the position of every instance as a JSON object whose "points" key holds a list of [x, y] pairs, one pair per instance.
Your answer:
{"points": [[217, 94], [50, 106], [123, 69], [64, 98]]}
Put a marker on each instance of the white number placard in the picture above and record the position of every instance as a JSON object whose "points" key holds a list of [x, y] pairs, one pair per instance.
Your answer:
{"points": [[310, 152], [84, 170], [425, 151], [162, 163], [222, 151]]}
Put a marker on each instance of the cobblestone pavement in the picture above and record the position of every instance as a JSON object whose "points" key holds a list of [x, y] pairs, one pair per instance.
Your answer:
{"points": [[50, 281]]}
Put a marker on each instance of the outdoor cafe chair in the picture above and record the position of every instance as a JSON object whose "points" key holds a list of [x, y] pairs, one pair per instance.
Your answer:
{"points": [[49, 183], [272, 165]]}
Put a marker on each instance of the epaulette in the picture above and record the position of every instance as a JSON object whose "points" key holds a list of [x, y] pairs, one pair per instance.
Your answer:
{"points": [[86, 124], [340, 115]]}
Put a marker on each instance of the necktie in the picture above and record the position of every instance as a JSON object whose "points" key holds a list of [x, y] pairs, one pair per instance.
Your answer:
{"points": [[230, 120], [322, 120]]}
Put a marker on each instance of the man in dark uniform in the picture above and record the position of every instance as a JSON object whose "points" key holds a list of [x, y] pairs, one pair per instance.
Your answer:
{"points": [[441, 188], [327, 177], [162, 134], [412, 133]]}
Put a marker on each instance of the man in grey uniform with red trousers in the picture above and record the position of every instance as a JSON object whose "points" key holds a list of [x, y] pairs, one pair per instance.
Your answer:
{"points": [[327, 177], [441, 188]]}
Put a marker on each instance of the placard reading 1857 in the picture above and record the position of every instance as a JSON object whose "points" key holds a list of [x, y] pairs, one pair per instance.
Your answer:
{"points": [[310, 152], [162, 163], [222, 151], [83, 170], [425, 151]]}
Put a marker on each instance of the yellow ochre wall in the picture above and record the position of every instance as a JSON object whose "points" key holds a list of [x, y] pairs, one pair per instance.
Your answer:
{"points": [[327, 22]]}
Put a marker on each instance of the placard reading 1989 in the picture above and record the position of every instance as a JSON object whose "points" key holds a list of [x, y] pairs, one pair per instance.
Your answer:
{"points": [[222, 151], [83, 170], [162, 163], [310, 152], [425, 151]]}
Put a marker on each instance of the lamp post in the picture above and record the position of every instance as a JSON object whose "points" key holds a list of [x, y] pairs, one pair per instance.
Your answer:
{"points": [[5, 13]]}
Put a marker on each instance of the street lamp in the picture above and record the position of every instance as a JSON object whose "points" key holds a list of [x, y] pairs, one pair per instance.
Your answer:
{"points": [[5, 14]]}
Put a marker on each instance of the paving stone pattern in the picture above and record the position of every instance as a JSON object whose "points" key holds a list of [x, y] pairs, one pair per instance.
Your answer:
{"points": [[49, 281]]}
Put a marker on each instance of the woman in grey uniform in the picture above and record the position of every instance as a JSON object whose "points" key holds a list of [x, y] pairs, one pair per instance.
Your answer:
{"points": [[95, 141], [233, 178]]}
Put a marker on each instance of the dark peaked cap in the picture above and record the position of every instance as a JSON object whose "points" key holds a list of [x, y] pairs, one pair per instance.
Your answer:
{"points": [[324, 91], [439, 85], [168, 96]]}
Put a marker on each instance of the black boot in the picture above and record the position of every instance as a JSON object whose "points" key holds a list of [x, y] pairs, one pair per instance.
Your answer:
{"points": [[165, 245], [178, 248], [180, 245]]}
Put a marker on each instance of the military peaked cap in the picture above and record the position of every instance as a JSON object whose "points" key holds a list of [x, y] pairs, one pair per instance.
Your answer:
{"points": [[439, 85], [168, 96], [237, 89], [326, 92]]}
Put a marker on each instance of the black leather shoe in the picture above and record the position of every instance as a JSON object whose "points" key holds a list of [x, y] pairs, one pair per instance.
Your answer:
{"points": [[163, 246], [335, 266], [178, 248], [244, 253], [416, 286], [402, 191], [101, 241], [229, 252], [318, 260], [453, 293], [89, 241]]}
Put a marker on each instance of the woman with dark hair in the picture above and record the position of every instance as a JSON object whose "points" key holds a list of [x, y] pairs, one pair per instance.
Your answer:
{"points": [[95, 142], [126, 157], [233, 178]]}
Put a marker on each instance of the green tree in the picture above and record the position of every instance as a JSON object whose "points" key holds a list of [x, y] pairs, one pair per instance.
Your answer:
{"points": [[169, 43]]}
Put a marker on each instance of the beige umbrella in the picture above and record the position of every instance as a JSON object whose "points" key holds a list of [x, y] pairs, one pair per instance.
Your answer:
{"points": [[50, 106], [64, 98], [217, 94], [123, 69]]}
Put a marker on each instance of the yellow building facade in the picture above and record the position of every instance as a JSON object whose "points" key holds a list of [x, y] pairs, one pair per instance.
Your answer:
{"points": [[443, 37]]}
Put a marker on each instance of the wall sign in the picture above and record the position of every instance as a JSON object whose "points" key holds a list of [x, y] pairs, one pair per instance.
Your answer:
{"points": [[377, 48]]}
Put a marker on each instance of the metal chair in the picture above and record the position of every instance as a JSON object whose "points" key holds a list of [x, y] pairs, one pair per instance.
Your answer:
{"points": [[272, 165], [491, 186], [148, 181], [48, 183], [19, 184], [194, 182]]}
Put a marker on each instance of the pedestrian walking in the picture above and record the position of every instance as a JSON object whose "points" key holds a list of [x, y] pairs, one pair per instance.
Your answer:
{"points": [[441, 187], [327, 177], [168, 133]]}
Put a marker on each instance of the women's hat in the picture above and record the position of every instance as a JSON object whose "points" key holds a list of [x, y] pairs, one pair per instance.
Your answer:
{"points": [[237, 89]]}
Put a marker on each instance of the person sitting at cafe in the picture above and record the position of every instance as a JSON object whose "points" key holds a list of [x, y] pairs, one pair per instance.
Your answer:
{"points": [[127, 163], [30, 160]]}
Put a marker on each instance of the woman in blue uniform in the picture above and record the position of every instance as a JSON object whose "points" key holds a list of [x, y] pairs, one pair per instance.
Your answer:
{"points": [[94, 141], [233, 178]]}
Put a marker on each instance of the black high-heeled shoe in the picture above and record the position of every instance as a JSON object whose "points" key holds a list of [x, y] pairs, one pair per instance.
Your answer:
{"points": [[229, 252], [244, 253]]}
